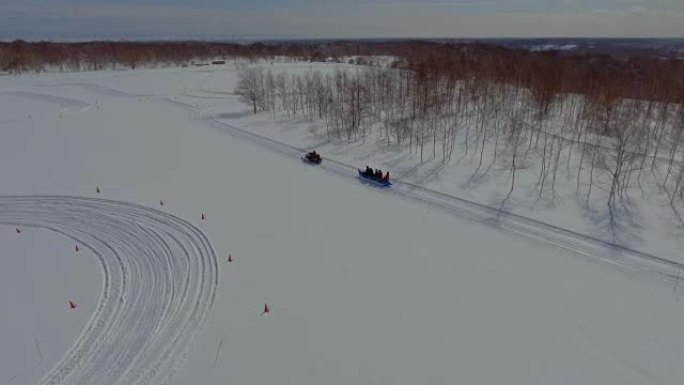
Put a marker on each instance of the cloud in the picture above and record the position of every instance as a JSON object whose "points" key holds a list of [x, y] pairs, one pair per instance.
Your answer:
{"points": [[635, 22], [109, 20], [467, 18]]}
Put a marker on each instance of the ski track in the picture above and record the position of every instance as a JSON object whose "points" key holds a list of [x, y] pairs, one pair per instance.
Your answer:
{"points": [[66, 103], [98, 89], [594, 249], [160, 276]]}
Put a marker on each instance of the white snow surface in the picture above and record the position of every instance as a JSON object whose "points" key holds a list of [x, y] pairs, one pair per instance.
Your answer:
{"points": [[365, 285]]}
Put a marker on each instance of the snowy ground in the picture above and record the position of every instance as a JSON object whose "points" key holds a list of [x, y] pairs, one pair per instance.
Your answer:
{"points": [[364, 285]]}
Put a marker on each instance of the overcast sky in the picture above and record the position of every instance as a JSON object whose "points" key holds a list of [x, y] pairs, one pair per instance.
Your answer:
{"points": [[232, 19]]}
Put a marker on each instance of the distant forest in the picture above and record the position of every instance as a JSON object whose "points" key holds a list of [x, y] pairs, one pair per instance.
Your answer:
{"points": [[644, 75]]}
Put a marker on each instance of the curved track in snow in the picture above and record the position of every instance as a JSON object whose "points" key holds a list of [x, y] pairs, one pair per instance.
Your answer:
{"points": [[159, 282]]}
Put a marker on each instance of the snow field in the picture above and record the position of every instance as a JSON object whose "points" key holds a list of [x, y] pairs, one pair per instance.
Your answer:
{"points": [[363, 287]]}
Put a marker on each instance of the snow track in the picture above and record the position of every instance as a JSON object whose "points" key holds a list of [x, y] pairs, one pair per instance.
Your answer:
{"points": [[66, 103], [159, 282], [98, 89]]}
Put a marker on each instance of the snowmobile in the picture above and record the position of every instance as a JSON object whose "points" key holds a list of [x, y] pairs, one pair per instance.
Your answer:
{"points": [[312, 157], [370, 176]]}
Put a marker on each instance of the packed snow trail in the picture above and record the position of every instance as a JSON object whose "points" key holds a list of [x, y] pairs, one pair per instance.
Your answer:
{"points": [[159, 282]]}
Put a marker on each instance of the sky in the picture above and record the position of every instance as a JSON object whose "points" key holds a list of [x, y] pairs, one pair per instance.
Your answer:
{"points": [[293, 19]]}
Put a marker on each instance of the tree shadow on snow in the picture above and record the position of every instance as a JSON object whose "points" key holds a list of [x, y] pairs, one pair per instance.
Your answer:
{"points": [[232, 115], [621, 226], [430, 174]]}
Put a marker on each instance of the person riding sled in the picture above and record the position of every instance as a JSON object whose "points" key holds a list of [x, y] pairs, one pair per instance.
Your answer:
{"points": [[313, 156]]}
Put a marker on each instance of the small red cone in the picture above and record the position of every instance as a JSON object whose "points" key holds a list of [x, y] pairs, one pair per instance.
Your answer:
{"points": [[97, 188], [230, 258], [18, 231], [266, 309], [77, 250], [202, 216], [72, 305]]}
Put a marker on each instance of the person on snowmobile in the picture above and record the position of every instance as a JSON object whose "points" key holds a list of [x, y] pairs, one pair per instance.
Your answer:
{"points": [[386, 178], [368, 172]]}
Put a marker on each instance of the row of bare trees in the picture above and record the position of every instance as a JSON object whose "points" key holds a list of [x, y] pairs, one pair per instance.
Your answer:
{"points": [[21, 56], [603, 136]]}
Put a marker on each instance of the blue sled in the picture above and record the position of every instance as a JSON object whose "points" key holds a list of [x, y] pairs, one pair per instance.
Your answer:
{"points": [[380, 183]]}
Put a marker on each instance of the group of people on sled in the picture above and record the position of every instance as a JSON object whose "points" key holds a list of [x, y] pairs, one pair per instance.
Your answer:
{"points": [[314, 157], [376, 174]]}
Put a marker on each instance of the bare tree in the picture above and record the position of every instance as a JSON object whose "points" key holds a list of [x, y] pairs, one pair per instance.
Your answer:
{"points": [[249, 87]]}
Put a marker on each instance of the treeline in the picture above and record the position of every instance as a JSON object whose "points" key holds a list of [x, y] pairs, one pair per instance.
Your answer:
{"points": [[594, 126], [21, 56], [646, 76], [643, 76]]}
